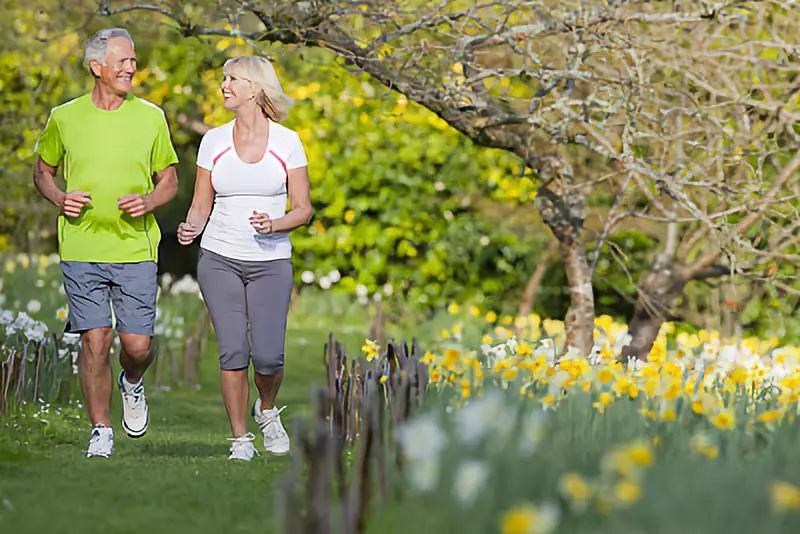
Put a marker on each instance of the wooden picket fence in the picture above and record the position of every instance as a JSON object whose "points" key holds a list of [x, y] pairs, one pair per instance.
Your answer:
{"points": [[355, 416], [33, 370]]}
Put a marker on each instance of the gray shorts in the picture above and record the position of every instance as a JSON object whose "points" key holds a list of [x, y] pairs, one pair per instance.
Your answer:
{"points": [[130, 287], [248, 302]]}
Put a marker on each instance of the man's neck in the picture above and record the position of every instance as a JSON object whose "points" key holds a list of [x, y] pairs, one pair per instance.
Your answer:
{"points": [[105, 99]]}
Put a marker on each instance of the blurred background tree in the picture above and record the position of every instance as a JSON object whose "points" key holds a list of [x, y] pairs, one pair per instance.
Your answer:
{"points": [[659, 170]]}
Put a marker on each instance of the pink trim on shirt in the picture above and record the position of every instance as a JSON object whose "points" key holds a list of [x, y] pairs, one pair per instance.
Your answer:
{"points": [[283, 163], [214, 161]]}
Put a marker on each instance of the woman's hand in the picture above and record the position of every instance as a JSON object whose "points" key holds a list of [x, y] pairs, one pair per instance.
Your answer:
{"points": [[187, 232], [261, 222]]}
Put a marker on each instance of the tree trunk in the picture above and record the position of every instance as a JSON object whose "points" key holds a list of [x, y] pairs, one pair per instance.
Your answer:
{"points": [[535, 281], [657, 295], [562, 208], [580, 315]]}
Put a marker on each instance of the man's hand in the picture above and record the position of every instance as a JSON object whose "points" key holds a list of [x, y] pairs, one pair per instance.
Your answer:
{"points": [[73, 202], [187, 232], [135, 205]]}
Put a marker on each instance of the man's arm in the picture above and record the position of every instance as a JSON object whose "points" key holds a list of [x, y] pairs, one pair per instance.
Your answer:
{"points": [[165, 190], [44, 178]]}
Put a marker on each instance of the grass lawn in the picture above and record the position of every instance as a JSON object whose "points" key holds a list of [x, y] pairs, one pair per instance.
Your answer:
{"points": [[175, 479]]}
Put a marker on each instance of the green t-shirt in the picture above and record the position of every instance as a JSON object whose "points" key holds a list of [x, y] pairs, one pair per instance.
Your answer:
{"points": [[108, 154]]}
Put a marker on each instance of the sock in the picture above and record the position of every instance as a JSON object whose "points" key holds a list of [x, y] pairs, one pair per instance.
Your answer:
{"points": [[128, 385]]}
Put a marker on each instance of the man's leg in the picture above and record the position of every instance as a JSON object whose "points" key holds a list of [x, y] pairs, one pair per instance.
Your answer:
{"points": [[136, 355], [133, 294], [87, 289], [95, 373]]}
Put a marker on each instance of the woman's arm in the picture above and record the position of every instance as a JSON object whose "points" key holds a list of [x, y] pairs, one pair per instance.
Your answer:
{"points": [[202, 202], [301, 212]]}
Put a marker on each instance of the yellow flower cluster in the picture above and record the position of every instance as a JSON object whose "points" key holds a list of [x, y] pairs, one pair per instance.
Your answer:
{"points": [[685, 375]]}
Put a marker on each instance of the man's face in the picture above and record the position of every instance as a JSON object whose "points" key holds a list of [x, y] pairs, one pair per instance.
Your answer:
{"points": [[120, 66]]}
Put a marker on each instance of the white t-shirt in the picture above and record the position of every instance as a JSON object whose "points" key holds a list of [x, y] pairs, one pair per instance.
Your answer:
{"points": [[243, 187]]}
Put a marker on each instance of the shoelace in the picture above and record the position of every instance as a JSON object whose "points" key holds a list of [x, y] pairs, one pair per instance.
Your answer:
{"points": [[137, 395], [242, 440], [94, 439], [268, 423]]}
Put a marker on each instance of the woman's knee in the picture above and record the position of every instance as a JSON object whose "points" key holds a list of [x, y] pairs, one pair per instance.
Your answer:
{"points": [[268, 364]]}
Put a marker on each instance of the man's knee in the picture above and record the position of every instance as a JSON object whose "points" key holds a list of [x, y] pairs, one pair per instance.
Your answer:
{"points": [[97, 342], [137, 347]]}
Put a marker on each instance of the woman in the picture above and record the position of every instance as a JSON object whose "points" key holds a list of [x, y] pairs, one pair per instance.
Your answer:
{"points": [[246, 169]]}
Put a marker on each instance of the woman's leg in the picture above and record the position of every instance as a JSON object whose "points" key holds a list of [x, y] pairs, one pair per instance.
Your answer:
{"points": [[268, 290], [268, 386], [223, 288]]}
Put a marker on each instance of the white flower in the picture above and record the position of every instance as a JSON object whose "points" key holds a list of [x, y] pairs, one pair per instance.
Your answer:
{"points": [[388, 289], [439, 185], [325, 282], [549, 514], [468, 481], [34, 306], [21, 322], [484, 240], [39, 283], [70, 339], [475, 419], [547, 349], [166, 280], [187, 284], [361, 290], [334, 276], [363, 300], [377, 297], [531, 431], [6, 316], [307, 277], [35, 331], [421, 438], [424, 474]]}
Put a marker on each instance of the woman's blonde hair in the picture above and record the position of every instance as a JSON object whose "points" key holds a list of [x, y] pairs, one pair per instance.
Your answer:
{"points": [[269, 93]]}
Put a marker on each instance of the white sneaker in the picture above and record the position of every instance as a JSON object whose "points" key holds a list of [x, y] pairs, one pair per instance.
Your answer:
{"points": [[135, 415], [276, 440], [101, 442], [242, 448]]}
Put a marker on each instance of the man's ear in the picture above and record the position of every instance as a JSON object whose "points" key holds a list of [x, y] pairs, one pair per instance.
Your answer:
{"points": [[95, 67]]}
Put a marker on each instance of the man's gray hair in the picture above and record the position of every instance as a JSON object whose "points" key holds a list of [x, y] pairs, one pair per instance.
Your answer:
{"points": [[97, 46]]}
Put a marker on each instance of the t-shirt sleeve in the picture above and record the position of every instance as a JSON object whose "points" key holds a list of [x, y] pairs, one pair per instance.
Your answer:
{"points": [[297, 156], [204, 156], [163, 154], [49, 146]]}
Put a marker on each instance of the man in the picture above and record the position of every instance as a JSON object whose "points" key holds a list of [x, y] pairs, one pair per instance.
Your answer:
{"points": [[112, 145]]}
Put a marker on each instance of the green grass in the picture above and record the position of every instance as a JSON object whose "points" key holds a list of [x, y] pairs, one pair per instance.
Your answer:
{"points": [[175, 479]]}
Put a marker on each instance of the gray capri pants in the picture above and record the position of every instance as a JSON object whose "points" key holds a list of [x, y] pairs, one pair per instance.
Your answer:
{"points": [[241, 294]]}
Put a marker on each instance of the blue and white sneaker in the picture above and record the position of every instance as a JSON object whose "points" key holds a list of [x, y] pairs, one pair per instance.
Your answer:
{"points": [[135, 415], [101, 442]]}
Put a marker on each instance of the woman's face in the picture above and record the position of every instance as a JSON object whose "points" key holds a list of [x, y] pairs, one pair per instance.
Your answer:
{"points": [[236, 91]]}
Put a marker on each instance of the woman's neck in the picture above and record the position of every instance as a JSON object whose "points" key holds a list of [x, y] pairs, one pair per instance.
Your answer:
{"points": [[251, 122]]}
